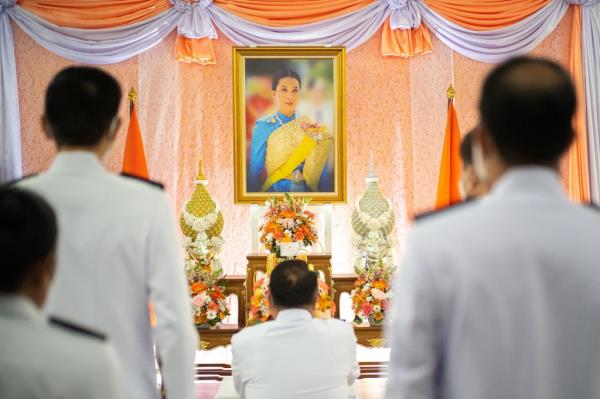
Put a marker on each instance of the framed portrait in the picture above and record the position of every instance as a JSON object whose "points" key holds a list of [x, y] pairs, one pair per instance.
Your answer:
{"points": [[289, 123]]}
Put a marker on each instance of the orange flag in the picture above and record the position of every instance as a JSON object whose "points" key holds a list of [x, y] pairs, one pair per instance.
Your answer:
{"points": [[451, 166], [134, 160]]}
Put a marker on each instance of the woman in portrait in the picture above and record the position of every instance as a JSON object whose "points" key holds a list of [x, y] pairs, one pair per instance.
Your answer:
{"points": [[287, 153]]}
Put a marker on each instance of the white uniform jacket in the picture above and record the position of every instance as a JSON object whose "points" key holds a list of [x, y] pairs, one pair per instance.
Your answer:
{"points": [[40, 361], [118, 250], [500, 298], [295, 356]]}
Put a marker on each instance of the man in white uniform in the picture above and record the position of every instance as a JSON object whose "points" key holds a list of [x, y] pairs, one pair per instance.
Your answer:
{"points": [[500, 298], [39, 360], [295, 355], [118, 248]]}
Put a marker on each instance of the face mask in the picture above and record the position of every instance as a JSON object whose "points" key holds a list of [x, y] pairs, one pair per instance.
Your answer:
{"points": [[479, 161]]}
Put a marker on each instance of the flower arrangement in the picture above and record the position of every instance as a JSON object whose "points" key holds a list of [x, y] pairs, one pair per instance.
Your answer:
{"points": [[205, 274], [314, 129], [260, 307], [372, 293], [287, 221]]}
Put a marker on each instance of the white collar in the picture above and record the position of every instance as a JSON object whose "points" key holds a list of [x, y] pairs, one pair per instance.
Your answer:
{"points": [[76, 162], [536, 181], [293, 314], [19, 307]]}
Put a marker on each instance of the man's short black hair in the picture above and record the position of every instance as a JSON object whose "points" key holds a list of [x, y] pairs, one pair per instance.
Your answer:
{"points": [[285, 73], [81, 103], [466, 146], [27, 235], [292, 284], [527, 106]]}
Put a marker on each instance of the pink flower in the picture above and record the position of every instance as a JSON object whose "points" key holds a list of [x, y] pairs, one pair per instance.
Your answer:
{"points": [[385, 304], [198, 300], [287, 223], [367, 308]]}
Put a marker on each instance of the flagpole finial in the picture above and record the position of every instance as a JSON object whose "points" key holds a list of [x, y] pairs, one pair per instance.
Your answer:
{"points": [[451, 92], [132, 96]]}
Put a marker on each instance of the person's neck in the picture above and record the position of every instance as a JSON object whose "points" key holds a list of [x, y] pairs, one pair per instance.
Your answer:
{"points": [[276, 310], [286, 114], [98, 150], [499, 169], [34, 294]]}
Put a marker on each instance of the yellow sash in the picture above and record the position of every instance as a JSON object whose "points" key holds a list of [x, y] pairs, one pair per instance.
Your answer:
{"points": [[301, 152]]}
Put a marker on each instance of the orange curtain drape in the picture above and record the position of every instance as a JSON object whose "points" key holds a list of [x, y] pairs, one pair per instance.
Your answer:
{"points": [[94, 14], [578, 179], [290, 12], [451, 164], [199, 51], [405, 43], [486, 14]]}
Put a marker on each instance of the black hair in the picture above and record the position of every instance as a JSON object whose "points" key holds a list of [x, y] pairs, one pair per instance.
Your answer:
{"points": [[527, 106], [292, 284], [81, 103], [466, 146], [285, 73], [28, 234]]}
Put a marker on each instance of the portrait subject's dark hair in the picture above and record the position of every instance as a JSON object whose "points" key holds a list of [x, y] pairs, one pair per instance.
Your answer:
{"points": [[527, 106], [292, 284], [81, 103], [28, 233], [285, 73], [465, 148]]}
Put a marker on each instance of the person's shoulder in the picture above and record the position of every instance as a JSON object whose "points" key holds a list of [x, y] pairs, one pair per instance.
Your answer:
{"points": [[449, 210], [21, 182], [146, 182], [250, 333], [266, 122]]}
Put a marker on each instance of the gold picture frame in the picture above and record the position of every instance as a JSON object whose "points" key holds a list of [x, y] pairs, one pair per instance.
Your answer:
{"points": [[270, 150]]}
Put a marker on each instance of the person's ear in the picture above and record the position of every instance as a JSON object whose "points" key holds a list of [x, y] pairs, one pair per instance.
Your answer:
{"points": [[46, 127], [114, 128]]}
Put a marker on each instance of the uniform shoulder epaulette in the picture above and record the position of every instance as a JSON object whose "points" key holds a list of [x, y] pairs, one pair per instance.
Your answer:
{"points": [[152, 182], [20, 179], [67, 325], [269, 119], [420, 216]]}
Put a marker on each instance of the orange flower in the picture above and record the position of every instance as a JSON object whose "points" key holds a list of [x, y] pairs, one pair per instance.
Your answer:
{"points": [[299, 236], [198, 287]]}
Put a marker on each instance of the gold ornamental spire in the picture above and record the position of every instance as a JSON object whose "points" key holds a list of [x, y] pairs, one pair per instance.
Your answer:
{"points": [[451, 93]]}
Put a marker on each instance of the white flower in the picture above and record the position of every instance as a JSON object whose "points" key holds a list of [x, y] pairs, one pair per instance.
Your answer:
{"points": [[211, 315], [269, 237], [377, 308], [378, 294]]}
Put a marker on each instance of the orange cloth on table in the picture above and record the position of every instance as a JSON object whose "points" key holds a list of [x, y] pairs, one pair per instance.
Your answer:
{"points": [[578, 178], [199, 51], [451, 165], [290, 12], [485, 14], [405, 43], [94, 14]]}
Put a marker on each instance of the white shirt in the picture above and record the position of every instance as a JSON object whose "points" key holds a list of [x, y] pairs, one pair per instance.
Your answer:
{"points": [[500, 298], [295, 356], [118, 250], [40, 361]]}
